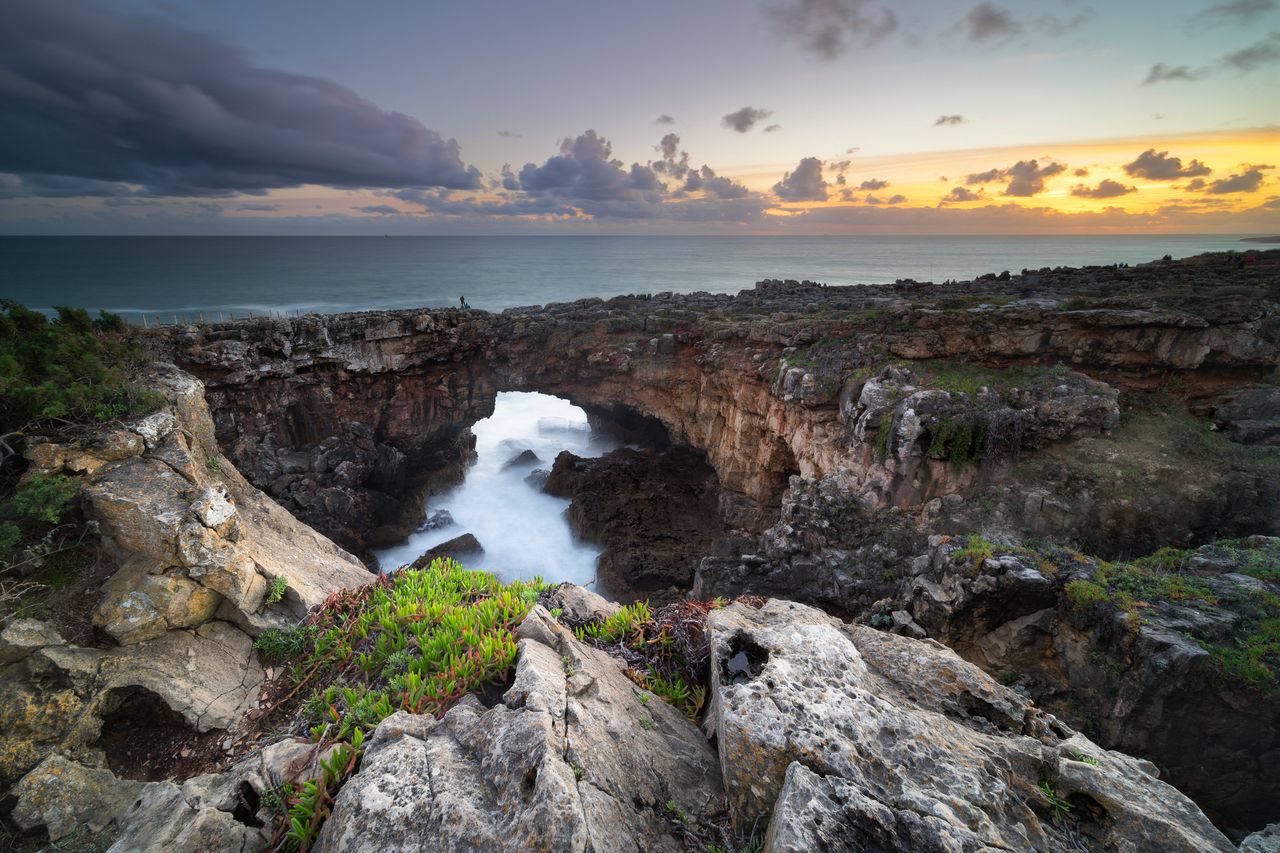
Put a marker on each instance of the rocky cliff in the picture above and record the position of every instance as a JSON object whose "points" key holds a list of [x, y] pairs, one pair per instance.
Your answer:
{"points": [[197, 563], [333, 415], [982, 464]]}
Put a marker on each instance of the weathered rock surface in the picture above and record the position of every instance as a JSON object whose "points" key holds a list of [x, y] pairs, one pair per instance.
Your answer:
{"points": [[463, 547], [194, 538], [654, 512], [62, 797], [195, 547], [766, 384], [571, 760], [1146, 685], [853, 739], [217, 812]]}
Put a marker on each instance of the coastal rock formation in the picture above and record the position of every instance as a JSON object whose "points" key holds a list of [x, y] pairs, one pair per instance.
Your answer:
{"points": [[195, 552], [654, 512], [765, 384], [1168, 678], [571, 760], [827, 736], [855, 740]]}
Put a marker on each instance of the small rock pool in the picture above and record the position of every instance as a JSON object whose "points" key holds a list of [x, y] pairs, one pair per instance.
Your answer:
{"points": [[523, 531]]}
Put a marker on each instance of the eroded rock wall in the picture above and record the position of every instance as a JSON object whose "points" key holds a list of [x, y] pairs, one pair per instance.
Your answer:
{"points": [[769, 383]]}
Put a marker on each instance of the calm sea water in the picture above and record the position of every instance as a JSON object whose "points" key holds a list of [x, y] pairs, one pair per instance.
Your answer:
{"points": [[211, 275]]}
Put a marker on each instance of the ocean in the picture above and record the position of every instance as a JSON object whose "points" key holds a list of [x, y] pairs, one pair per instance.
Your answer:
{"points": [[213, 277]]}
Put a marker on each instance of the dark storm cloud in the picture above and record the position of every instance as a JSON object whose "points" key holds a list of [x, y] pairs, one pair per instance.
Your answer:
{"points": [[942, 121], [59, 186], [1245, 182], [803, 184], [707, 181], [1159, 166], [87, 93], [873, 184], [381, 210], [744, 119], [585, 178], [1026, 177], [1265, 52], [829, 27], [1081, 173], [1107, 188], [1160, 73], [984, 177], [264, 208], [875, 199], [986, 22], [773, 128], [1235, 12], [960, 194], [664, 119], [674, 162]]}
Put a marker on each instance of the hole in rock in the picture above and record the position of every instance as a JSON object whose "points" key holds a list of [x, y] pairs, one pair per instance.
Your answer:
{"points": [[146, 740], [744, 660], [247, 804], [520, 531]]}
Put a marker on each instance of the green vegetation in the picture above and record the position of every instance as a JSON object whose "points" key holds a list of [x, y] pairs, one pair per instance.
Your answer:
{"points": [[71, 370], [976, 551], [1061, 808], [626, 623], [418, 641], [213, 463], [1076, 755], [56, 376], [962, 377], [663, 656], [1251, 655], [312, 802], [283, 645], [958, 440], [30, 514], [276, 589]]}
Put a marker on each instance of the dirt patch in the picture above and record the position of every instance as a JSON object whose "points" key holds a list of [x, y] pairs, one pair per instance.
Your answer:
{"points": [[146, 740]]}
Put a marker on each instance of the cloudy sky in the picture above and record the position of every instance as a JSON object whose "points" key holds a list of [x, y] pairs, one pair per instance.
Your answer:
{"points": [[567, 116]]}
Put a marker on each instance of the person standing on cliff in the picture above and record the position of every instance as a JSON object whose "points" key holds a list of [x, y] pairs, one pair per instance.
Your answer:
{"points": [[462, 301]]}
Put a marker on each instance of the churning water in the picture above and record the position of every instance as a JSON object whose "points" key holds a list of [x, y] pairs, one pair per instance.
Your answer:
{"points": [[523, 531]]}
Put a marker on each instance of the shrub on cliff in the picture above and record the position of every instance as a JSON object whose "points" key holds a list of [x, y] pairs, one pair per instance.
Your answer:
{"points": [[66, 371]]}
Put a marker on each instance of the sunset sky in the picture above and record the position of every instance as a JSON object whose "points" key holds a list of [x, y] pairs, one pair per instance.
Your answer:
{"points": [[716, 117]]}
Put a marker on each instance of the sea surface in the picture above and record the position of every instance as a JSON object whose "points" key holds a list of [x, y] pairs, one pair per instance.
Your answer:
{"points": [[189, 277]]}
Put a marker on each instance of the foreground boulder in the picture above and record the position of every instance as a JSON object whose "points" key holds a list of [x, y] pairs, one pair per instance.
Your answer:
{"points": [[575, 757], [854, 739]]}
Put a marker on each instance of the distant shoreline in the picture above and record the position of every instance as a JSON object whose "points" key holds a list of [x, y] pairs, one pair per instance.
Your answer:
{"points": [[1275, 239]]}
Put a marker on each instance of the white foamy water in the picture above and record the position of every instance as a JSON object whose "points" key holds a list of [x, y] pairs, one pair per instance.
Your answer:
{"points": [[523, 531]]}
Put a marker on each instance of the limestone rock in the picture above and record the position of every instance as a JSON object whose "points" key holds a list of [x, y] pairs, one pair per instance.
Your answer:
{"points": [[163, 819], [155, 427], [21, 637], [216, 812], [140, 504], [899, 744], [1263, 841], [210, 675], [579, 605], [564, 763], [63, 796]]}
